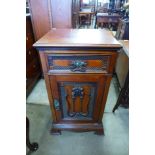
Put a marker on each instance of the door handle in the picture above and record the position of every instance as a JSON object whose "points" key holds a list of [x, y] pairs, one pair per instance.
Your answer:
{"points": [[78, 66]]}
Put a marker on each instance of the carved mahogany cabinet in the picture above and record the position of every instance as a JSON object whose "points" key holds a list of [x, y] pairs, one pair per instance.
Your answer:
{"points": [[78, 66]]}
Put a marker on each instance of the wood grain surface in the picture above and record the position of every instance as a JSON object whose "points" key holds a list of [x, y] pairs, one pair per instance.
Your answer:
{"points": [[77, 38]]}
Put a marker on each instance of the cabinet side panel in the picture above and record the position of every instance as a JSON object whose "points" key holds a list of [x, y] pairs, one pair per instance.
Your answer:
{"points": [[50, 97], [113, 62], [47, 82], [104, 99], [43, 62]]}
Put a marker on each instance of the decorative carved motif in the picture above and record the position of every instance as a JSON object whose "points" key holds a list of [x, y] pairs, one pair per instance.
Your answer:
{"points": [[77, 99], [77, 91], [78, 66]]}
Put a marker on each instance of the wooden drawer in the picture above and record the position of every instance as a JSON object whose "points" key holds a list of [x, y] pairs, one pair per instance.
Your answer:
{"points": [[32, 69], [86, 63]]}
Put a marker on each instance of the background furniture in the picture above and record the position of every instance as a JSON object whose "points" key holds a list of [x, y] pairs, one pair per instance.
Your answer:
{"points": [[89, 4], [122, 72], [61, 11], [85, 16], [40, 17], [31, 146], [47, 14], [107, 20], [75, 13], [33, 70], [122, 32], [77, 70]]}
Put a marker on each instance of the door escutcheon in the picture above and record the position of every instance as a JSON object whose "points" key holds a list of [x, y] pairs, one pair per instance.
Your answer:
{"points": [[78, 66]]}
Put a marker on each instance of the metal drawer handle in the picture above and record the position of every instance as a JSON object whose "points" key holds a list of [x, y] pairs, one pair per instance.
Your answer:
{"points": [[78, 66]]}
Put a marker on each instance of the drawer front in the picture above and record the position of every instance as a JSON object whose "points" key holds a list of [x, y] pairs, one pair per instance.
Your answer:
{"points": [[80, 63]]}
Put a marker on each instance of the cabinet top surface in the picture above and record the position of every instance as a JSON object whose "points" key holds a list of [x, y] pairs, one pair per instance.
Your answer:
{"points": [[78, 38]]}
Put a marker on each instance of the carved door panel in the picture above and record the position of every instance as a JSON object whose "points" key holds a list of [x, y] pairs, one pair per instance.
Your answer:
{"points": [[77, 97]]}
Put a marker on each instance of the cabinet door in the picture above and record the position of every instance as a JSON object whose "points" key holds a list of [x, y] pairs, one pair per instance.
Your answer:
{"points": [[78, 97]]}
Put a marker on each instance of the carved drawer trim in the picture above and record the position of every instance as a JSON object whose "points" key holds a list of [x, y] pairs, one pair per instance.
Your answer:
{"points": [[82, 63]]}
